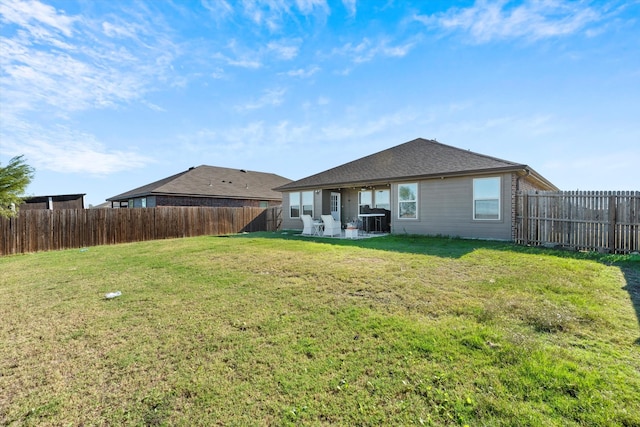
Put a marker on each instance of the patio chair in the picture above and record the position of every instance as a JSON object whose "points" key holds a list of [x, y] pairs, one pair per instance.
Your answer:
{"points": [[331, 226], [307, 223]]}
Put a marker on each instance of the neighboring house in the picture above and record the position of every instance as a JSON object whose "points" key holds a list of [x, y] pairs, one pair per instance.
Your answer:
{"points": [[206, 186], [424, 186], [104, 205], [64, 201]]}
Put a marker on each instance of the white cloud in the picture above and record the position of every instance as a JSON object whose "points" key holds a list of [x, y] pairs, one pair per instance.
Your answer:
{"points": [[32, 14], [241, 56], [368, 50], [534, 19], [54, 64], [302, 72], [272, 13], [218, 8], [283, 50], [242, 62], [309, 6], [77, 66], [353, 127], [265, 13], [112, 30], [218, 73], [247, 144], [37, 79], [272, 97], [350, 5], [64, 150], [357, 126]]}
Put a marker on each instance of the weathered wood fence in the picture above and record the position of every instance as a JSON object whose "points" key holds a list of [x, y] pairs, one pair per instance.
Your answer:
{"points": [[602, 221], [44, 230]]}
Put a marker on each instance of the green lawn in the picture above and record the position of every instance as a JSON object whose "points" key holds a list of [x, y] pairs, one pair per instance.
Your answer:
{"points": [[276, 329]]}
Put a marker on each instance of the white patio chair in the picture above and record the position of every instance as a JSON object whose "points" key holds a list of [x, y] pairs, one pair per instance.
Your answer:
{"points": [[307, 223], [331, 226]]}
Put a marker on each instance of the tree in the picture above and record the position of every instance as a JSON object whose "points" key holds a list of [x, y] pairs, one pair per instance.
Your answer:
{"points": [[14, 179]]}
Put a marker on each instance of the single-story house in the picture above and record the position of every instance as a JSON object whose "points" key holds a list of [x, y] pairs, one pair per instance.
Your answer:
{"points": [[421, 187], [206, 186], [61, 201]]}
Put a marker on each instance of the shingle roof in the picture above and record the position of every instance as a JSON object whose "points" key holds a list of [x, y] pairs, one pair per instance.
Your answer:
{"points": [[419, 158], [212, 181], [55, 198]]}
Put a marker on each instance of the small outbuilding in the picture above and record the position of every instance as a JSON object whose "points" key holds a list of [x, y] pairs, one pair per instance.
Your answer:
{"points": [[54, 202]]}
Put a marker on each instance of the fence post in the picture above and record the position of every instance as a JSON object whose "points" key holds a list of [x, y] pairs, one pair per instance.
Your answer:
{"points": [[525, 219], [612, 223]]}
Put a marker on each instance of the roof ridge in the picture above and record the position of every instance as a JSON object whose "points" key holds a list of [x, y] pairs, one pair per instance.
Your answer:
{"points": [[472, 152], [206, 180], [416, 158]]}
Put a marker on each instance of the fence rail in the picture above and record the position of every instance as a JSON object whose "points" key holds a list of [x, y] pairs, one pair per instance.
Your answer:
{"points": [[602, 221], [44, 230]]}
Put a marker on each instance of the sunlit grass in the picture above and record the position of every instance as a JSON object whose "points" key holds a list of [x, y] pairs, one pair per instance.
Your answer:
{"points": [[276, 329]]}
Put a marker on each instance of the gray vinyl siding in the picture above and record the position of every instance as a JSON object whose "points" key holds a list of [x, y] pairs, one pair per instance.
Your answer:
{"points": [[296, 223], [445, 207]]}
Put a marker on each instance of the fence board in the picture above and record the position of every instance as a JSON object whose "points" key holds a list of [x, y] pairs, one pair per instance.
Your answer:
{"points": [[582, 220], [43, 230]]}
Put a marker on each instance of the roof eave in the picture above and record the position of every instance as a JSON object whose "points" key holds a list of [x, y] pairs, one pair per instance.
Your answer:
{"points": [[359, 183], [532, 174], [209, 196]]}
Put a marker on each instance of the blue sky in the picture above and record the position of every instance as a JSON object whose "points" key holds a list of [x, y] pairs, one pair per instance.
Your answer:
{"points": [[105, 96]]}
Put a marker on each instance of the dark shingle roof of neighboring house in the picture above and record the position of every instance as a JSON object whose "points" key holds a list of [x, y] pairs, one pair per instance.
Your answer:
{"points": [[55, 198], [212, 181], [419, 158]]}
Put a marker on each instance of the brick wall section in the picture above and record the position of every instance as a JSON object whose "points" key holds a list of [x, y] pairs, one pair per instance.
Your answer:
{"points": [[514, 202], [210, 202]]}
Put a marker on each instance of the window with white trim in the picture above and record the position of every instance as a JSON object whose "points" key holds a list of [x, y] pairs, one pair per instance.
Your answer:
{"points": [[307, 202], [294, 205], [364, 199], [486, 198], [383, 199], [300, 203], [408, 201]]}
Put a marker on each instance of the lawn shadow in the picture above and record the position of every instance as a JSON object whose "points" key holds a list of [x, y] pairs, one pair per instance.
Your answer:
{"points": [[632, 279], [444, 247]]}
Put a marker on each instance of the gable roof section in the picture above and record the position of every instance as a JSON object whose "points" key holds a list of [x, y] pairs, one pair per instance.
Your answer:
{"points": [[212, 181], [415, 159]]}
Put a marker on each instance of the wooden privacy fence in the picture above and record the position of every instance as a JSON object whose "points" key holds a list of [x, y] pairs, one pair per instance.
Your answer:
{"points": [[44, 230], [602, 221]]}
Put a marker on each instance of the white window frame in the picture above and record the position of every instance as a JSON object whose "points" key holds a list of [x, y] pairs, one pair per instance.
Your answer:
{"points": [[297, 198], [294, 200], [361, 204], [306, 196], [477, 197], [386, 205], [414, 201]]}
